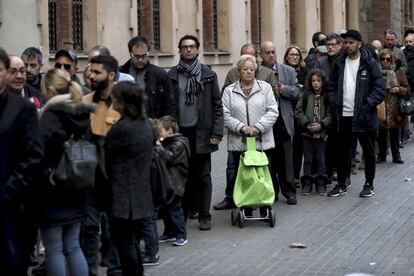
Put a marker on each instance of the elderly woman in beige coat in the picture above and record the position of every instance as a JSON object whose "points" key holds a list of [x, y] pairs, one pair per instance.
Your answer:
{"points": [[250, 109]]}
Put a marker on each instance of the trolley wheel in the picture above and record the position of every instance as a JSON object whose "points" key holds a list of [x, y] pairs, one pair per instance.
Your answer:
{"points": [[272, 215], [240, 219], [233, 217]]}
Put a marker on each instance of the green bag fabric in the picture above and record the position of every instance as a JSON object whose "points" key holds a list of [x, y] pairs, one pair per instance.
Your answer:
{"points": [[254, 184]]}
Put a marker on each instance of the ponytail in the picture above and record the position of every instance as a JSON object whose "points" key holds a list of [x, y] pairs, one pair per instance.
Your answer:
{"points": [[75, 91]]}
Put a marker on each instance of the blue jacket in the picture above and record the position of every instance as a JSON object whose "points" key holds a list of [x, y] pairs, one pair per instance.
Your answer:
{"points": [[370, 91]]}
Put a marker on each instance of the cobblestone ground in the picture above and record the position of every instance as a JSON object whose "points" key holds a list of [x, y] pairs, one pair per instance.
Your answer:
{"points": [[342, 235]]}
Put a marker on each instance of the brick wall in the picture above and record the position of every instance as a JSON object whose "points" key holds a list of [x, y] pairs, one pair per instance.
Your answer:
{"points": [[146, 25], [208, 36], [255, 22]]}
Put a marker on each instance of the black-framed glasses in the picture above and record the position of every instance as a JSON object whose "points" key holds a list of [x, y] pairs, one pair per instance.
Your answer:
{"points": [[66, 66], [191, 47], [386, 59], [14, 71]]}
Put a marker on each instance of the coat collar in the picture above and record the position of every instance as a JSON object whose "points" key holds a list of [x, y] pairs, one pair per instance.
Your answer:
{"points": [[65, 104]]}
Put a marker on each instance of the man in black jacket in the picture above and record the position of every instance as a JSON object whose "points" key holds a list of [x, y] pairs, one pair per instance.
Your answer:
{"points": [[355, 89], [20, 154], [17, 82], [154, 79], [200, 118]]}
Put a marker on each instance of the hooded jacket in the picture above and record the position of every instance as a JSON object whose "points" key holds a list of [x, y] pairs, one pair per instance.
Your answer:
{"points": [[370, 91], [61, 118]]}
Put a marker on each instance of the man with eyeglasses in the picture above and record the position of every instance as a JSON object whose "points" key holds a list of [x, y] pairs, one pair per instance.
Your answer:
{"points": [[66, 59], [200, 118], [355, 89], [283, 129], [154, 79], [20, 157], [18, 85]]}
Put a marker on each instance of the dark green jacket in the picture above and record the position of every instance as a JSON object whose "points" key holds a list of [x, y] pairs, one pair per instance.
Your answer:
{"points": [[304, 115]]}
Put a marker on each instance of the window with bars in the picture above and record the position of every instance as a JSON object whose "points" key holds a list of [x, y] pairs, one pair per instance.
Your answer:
{"points": [[65, 24], [210, 25], [148, 18], [53, 45], [256, 22], [77, 24]]}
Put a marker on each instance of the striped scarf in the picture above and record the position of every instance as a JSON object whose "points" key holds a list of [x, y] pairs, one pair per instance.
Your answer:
{"points": [[191, 72]]}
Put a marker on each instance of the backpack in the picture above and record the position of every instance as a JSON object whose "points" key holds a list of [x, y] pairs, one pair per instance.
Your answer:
{"points": [[75, 171], [162, 190]]}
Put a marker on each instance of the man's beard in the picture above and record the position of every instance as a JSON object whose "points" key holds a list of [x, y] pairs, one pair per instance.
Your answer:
{"points": [[99, 86]]}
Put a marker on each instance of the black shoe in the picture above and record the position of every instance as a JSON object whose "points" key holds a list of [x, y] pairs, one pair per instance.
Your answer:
{"points": [[367, 191], [151, 260], [205, 225], [337, 191], [193, 215], [398, 161], [348, 183], [224, 205], [381, 160], [291, 200]]}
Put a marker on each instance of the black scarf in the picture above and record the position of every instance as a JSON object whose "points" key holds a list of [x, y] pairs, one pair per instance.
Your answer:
{"points": [[191, 72]]}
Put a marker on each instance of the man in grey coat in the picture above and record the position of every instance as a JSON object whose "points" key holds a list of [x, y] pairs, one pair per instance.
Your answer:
{"points": [[289, 91], [390, 41]]}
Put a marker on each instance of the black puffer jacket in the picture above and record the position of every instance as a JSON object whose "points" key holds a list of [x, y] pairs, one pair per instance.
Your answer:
{"points": [[128, 149], [370, 91], [178, 153], [60, 119], [158, 89]]}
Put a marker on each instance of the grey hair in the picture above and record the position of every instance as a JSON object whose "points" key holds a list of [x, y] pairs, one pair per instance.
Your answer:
{"points": [[245, 58]]}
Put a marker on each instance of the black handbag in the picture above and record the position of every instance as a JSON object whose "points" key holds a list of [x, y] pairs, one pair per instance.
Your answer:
{"points": [[406, 106], [75, 171]]}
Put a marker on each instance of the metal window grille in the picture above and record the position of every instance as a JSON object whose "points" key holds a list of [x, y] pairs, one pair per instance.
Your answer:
{"points": [[139, 17], [215, 25], [52, 26], [156, 24], [77, 24]]}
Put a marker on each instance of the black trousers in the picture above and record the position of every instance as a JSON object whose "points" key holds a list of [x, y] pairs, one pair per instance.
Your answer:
{"points": [[297, 151], [282, 161], [394, 143], [314, 152], [18, 233], [367, 142], [198, 189], [127, 234], [331, 157]]}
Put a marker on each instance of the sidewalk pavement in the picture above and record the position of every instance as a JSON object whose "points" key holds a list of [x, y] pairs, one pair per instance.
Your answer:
{"points": [[342, 235]]}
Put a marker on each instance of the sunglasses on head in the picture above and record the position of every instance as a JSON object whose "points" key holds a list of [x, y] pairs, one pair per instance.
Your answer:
{"points": [[66, 66]]}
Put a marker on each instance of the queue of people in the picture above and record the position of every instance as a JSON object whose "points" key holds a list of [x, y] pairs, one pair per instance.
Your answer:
{"points": [[343, 92]]}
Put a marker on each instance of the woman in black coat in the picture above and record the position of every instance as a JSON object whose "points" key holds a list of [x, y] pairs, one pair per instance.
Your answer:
{"points": [[128, 151], [60, 212]]}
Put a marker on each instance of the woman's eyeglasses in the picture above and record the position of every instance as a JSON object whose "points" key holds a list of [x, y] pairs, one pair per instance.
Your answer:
{"points": [[66, 66]]}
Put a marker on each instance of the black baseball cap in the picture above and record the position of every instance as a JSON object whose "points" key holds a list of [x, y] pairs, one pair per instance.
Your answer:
{"points": [[67, 53], [352, 33]]}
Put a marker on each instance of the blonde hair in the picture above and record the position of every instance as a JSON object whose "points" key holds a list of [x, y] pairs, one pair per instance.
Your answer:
{"points": [[58, 81]]}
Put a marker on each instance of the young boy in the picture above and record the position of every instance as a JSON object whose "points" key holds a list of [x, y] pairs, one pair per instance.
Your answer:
{"points": [[178, 152]]}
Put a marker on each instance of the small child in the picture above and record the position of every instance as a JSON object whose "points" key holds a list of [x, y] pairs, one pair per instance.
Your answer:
{"points": [[313, 115], [178, 153]]}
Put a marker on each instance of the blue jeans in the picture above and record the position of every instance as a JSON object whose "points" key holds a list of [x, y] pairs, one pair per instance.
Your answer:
{"points": [[63, 241], [174, 222]]}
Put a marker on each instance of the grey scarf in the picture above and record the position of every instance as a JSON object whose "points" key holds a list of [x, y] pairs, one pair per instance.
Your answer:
{"points": [[191, 72]]}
